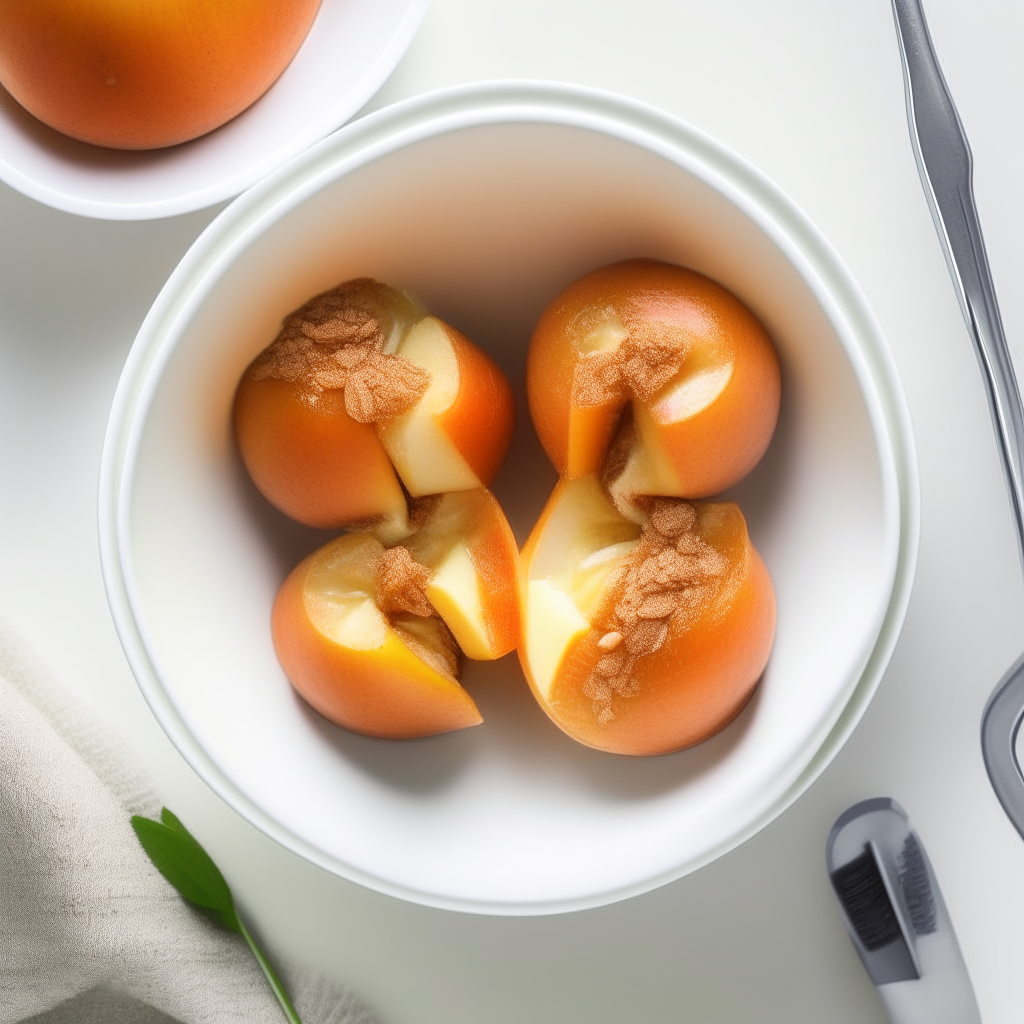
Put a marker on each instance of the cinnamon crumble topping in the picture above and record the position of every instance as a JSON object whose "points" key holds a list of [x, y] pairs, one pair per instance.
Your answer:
{"points": [[402, 583], [402, 596], [667, 574], [336, 341], [641, 366]]}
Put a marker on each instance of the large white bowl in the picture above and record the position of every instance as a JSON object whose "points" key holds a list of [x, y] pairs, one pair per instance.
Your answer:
{"points": [[486, 201], [351, 49]]}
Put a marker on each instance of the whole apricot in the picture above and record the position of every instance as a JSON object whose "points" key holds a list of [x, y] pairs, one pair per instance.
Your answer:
{"points": [[142, 74]]}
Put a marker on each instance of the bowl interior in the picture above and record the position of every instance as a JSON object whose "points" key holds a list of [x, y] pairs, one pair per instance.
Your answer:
{"points": [[486, 223]]}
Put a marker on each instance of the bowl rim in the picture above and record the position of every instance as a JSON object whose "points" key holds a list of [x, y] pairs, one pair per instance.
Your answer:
{"points": [[395, 127], [347, 104]]}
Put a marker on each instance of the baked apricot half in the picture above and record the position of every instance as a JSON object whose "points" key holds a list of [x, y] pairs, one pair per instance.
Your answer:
{"points": [[362, 393], [691, 362], [642, 639], [371, 635]]}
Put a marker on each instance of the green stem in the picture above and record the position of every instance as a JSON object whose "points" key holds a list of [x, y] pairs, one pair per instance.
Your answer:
{"points": [[275, 982]]}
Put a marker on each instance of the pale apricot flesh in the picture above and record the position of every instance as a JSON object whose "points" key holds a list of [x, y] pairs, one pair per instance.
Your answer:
{"points": [[465, 541], [458, 434]]}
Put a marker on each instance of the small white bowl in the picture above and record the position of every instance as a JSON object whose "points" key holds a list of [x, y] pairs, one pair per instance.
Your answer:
{"points": [[351, 49], [485, 201]]}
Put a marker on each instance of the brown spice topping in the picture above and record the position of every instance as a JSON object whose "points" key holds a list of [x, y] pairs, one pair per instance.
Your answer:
{"points": [[401, 594], [336, 341], [642, 365], [662, 583], [402, 583]]}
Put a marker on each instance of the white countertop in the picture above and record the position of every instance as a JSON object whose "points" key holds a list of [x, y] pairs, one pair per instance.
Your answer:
{"points": [[812, 94]]}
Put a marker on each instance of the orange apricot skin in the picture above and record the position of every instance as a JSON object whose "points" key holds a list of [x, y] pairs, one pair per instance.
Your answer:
{"points": [[386, 692], [495, 556], [143, 74], [718, 446], [710, 450], [309, 458], [481, 420], [550, 362]]}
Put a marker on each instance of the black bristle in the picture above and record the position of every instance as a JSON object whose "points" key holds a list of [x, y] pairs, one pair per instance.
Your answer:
{"points": [[861, 891], [917, 889]]}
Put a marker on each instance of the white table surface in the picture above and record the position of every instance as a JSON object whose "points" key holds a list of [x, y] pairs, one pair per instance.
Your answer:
{"points": [[811, 92]]}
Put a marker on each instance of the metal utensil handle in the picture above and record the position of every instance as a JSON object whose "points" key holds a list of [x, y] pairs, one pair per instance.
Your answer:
{"points": [[945, 165]]}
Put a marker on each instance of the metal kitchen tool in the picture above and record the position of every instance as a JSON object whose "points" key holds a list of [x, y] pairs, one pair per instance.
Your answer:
{"points": [[944, 162], [896, 916]]}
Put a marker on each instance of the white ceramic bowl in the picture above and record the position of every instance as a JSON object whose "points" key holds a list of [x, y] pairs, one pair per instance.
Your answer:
{"points": [[351, 49], [486, 201]]}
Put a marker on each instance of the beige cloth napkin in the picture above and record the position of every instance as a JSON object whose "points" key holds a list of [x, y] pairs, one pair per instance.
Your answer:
{"points": [[89, 930]]}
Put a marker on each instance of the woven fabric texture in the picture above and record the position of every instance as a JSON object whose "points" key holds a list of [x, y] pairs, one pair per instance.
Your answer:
{"points": [[89, 930]]}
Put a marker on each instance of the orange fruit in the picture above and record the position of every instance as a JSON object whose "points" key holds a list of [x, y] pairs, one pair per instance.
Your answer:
{"points": [[310, 458], [642, 640], [390, 676], [370, 635], [694, 365], [361, 394], [141, 74]]}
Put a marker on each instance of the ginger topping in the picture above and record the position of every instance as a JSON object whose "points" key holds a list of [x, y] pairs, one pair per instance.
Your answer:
{"points": [[664, 578], [641, 366], [402, 596], [402, 583], [337, 341]]}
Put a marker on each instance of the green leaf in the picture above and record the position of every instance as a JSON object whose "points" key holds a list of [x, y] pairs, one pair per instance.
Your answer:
{"points": [[172, 821], [178, 856], [187, 866]]}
